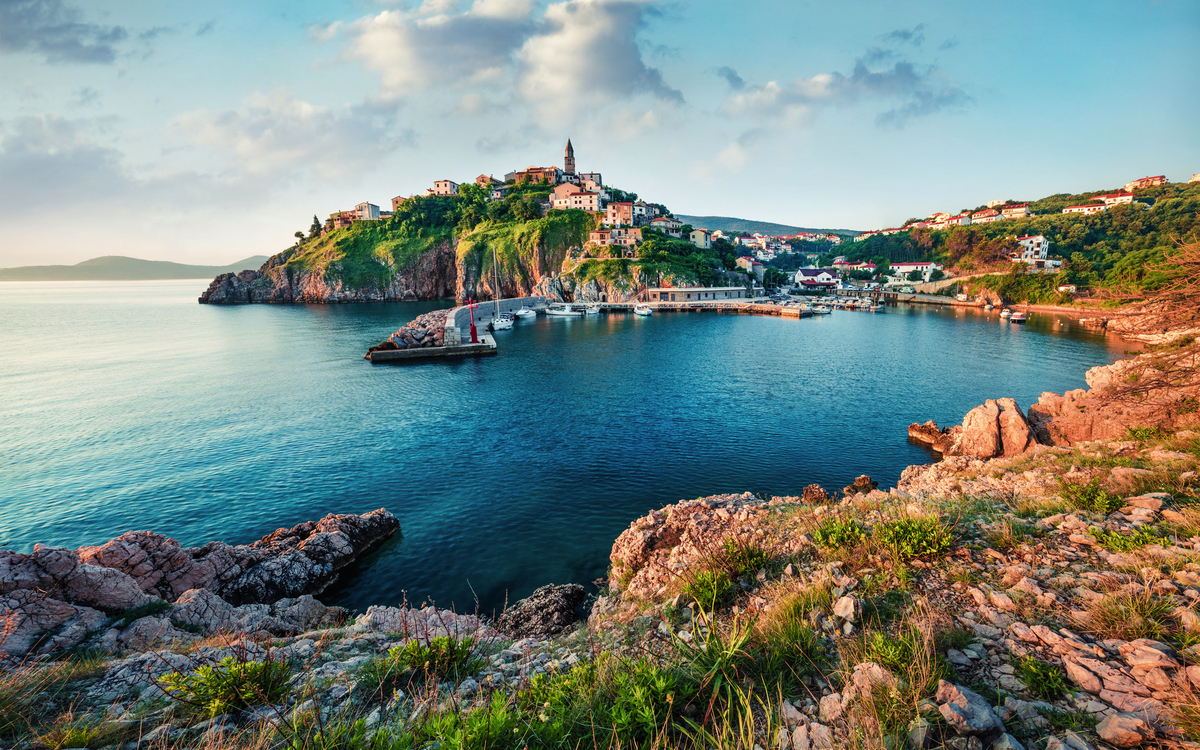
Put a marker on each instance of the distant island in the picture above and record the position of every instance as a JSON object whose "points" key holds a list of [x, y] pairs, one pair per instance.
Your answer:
{"points": [[733, 224], [121, 268]]}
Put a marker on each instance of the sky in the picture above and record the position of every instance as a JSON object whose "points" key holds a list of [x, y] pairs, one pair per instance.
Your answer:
{"points": [[208, 132]]}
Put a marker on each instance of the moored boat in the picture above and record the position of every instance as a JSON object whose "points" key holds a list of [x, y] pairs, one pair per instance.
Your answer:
{"points": [[1017, 317], [641, 309], [1005, 313], [563, 310], [593, 309], [821, 310], [525, 312], [503, 322]]}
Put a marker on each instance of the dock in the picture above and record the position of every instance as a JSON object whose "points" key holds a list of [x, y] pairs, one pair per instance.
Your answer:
{"points": [[485, 348]]}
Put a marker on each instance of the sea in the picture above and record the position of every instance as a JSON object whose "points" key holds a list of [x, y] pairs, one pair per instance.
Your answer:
{"points": [[129, 406]]}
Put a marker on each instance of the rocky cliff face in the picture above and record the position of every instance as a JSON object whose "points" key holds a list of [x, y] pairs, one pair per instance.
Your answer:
{"points": [[434, 275]]}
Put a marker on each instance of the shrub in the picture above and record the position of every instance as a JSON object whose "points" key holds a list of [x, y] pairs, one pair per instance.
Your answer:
{"points": [[1115, 541], [710, 588], [885, 607], [229, 686], [745, 559], [1046, 681], [441, 657], [1091, 497], [1142, 434], [837, 533], [915, 537]]}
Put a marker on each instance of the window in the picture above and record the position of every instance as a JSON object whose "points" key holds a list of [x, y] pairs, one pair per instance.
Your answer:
{"points": [[672, 297]]}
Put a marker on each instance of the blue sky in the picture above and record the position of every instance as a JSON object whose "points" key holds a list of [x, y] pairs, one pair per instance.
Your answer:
{"points": [[207, 132]]}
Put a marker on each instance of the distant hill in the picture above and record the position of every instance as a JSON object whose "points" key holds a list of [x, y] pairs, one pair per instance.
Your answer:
{"points": [[731, 224], [121, 268]]}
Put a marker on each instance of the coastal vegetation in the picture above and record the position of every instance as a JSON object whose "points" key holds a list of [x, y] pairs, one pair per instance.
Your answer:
{"points": [[1121, 248]]}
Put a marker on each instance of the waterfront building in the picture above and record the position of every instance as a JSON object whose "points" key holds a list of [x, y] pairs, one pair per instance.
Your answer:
{"points": [[816, 279], [693, 294]]}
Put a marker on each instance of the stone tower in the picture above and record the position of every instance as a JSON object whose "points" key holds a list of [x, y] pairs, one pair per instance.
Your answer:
{"points": [[569, 162]]}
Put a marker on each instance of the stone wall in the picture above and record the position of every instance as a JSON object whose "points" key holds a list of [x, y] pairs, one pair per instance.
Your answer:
{"points": [[458, 320]]}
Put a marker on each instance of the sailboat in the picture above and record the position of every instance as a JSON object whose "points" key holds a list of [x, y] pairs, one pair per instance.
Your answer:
{"points": [[502, 321]]}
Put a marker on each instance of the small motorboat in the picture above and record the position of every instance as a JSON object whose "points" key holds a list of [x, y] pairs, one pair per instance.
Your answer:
{"points": [[525, 312], [1005, 313], [643, 310], [593, 309], [988, 306], [821, 310], [503, 322], [1017, 317], [564, 310]]}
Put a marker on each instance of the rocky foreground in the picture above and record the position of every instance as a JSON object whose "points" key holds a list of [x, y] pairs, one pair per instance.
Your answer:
{"points": [[1036, 588]]}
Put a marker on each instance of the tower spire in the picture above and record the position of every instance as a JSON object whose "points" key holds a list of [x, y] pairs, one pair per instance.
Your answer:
{"points": [[569, 162]]}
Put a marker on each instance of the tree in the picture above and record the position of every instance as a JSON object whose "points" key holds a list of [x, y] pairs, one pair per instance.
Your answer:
{"points": [[299, 237], [773, 277], [937, 275], [915, 275], [315, 230]]}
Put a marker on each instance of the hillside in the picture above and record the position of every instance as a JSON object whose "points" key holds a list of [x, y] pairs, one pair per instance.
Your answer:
{"points": [[733, 224], [1103, 251], [122, 268]]}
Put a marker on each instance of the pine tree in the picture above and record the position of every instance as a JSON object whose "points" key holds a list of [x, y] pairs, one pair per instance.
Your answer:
{"points": [[315, 230]]}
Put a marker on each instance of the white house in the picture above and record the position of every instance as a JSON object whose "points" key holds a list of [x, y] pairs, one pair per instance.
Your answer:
{"points": [[1033, 249], [1091, 208], [815, 279], [445, 188], [1015, 211], [1114, 199]]}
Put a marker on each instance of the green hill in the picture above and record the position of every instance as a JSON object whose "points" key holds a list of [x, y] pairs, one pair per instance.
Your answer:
{"points": [[121, 268], [732, 224]]}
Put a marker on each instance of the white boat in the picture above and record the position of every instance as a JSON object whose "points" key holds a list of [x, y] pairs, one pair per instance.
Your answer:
{"points": [[564, 310], [821, 310], [988, 306], [503, 322], [593, 309], [1005, 313], [643, 310], [1017, 317], [525, 312]]}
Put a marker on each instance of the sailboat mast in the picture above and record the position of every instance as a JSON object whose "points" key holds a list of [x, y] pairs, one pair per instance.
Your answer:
{"points": [[496, 275]]}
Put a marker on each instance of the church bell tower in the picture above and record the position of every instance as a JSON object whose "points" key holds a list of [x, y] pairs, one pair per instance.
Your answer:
{"points": [[569, 162]]}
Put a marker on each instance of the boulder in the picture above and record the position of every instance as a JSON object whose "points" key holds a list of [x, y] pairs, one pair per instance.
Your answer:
{"points": [[150, 631], [1125, 730], [30, 618], [547, 611], [965, 710], [862, 486], [997, 428], [814, 494]]}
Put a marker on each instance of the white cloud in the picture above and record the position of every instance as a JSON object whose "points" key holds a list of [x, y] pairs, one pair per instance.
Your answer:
{"points": [[629, 125], [586, 55], [275, 134], [913, 91], [413, 51]]}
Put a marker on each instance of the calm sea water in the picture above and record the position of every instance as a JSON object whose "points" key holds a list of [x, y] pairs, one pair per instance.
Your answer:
{"points": [[127, 405]]}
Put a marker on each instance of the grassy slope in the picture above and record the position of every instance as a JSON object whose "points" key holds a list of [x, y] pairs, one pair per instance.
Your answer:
{"points": [[517, 244], [121, 268], [367, 253]]}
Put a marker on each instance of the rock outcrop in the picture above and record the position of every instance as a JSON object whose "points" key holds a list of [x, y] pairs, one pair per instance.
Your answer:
{"points": [[425, 331], [547, 611], [49, 590], [432, 275]]}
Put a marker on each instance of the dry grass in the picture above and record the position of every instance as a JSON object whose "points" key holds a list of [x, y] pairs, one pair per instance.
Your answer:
{"points": [[1130, 613], [32, 693]]}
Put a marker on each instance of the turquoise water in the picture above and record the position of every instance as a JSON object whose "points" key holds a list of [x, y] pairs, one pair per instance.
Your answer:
{"points": [[126, 405]]}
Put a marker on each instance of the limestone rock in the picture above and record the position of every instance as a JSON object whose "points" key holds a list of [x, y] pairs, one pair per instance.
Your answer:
{"points": [[997, 428], [861, 486], [150, 631], [965, 710], [1125, 730], [30, 618], [547, 611]]}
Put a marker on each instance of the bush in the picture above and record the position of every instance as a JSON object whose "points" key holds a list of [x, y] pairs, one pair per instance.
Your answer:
{"points": [[1046, 681], [229, 686], [1115, 541], [1091, 497], [915, 537], [1142, 434], [745, 559], [837, 533], [710, 588], [441, 657]]}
